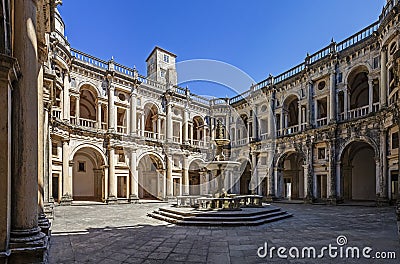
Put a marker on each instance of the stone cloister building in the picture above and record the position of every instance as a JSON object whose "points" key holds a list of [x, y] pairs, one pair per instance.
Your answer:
{"points": [[81, 128]]}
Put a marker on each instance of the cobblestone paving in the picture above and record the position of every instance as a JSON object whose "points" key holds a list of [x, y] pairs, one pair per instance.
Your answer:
{"points": [[124, 234]]}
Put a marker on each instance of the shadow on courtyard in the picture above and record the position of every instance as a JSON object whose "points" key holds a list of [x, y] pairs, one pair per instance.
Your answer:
{"points": [[158, 242]]}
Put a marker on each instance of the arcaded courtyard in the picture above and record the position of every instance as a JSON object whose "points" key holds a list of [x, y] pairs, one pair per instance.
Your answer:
{"points": [[124, 234]]}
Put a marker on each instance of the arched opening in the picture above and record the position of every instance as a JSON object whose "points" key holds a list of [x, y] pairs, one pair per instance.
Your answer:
{"points": [[197, 133], [150, 174], [358, 88], [87, 104], [245, 178], [151, 120], [88, 175], [292, 176], [194, 178], [358, 172], [291, 111]]}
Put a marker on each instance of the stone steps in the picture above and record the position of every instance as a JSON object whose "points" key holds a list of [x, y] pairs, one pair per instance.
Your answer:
{"points": [[245, 217]]}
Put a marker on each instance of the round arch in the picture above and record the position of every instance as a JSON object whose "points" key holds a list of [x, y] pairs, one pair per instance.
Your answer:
{"points": [[89, 86], [88, 179], [87, 145], [151, 176], [358, 68], [358, 170], [364, 139], [154, 154], [290, 174]]}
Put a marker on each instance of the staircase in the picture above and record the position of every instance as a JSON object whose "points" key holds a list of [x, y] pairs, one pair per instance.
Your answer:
{"points": [[244, 217]]}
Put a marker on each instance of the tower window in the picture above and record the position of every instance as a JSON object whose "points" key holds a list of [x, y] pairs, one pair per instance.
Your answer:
{"points": [[166, 58]]}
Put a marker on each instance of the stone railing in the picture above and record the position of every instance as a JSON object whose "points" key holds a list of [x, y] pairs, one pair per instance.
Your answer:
{"points": [[322, 122], [88, 59], [176, 139], [358, 37], [121, 129], [87, 122], [358, 112], [287, 74], [264, 136], [291, 130], [56, 113]]}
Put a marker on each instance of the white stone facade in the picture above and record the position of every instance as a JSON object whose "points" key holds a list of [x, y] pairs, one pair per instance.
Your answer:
{"points": [[326, 130]]}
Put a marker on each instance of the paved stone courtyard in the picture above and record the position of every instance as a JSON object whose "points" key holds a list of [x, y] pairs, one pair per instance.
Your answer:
{"points": [[124, 234]]}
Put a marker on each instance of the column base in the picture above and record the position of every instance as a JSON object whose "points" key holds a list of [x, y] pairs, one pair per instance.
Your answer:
{"points": [[44, 224], [398, 213], [170, 199], [332, 200], [112, 200], [28, 246], [133, 198], [66, 200], [309, 200], [382, 201], [270, 198]]}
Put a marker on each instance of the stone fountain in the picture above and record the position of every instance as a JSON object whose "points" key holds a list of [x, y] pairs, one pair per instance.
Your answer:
{"points": [[219, 165]]}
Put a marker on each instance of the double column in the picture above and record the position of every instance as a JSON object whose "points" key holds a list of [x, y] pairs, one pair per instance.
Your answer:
{"points": [[26, 130], [383, 83], [134, 191], [133, 115], [66, 100], [66, 198], [185, 175], [169, 127], [111, 107], [112, 177], [332, 97]]}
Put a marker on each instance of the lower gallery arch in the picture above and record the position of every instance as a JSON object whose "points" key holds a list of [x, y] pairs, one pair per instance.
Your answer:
{"points": [[150, 177], [291, 176], [358, 172], [88, 175], [245, 177], [194, 177]]}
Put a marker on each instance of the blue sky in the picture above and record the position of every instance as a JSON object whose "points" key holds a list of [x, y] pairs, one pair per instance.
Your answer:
{"points": [[257, 36]]}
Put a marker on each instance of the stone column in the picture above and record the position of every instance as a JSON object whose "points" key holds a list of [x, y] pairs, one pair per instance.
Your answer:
{"points": [[185, 126], [338, 181], [77, 114], [310, 172], [98, 115], [299, 115], [346, 103], [142, 125], [271, 119], [185, 169], [46, 154], [7, 71], [332, 196], [204, 136], [305, 173], [133, 198], [66, 101], [169, 126], [255, 134], [383, 83], [111, 108], [133, 116], [66, 198], [191, 134], [370, 95], [254, 181], [281, 123], [112, 177], [169, 175], [332, 97], [310, 107], [383, 182]]}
